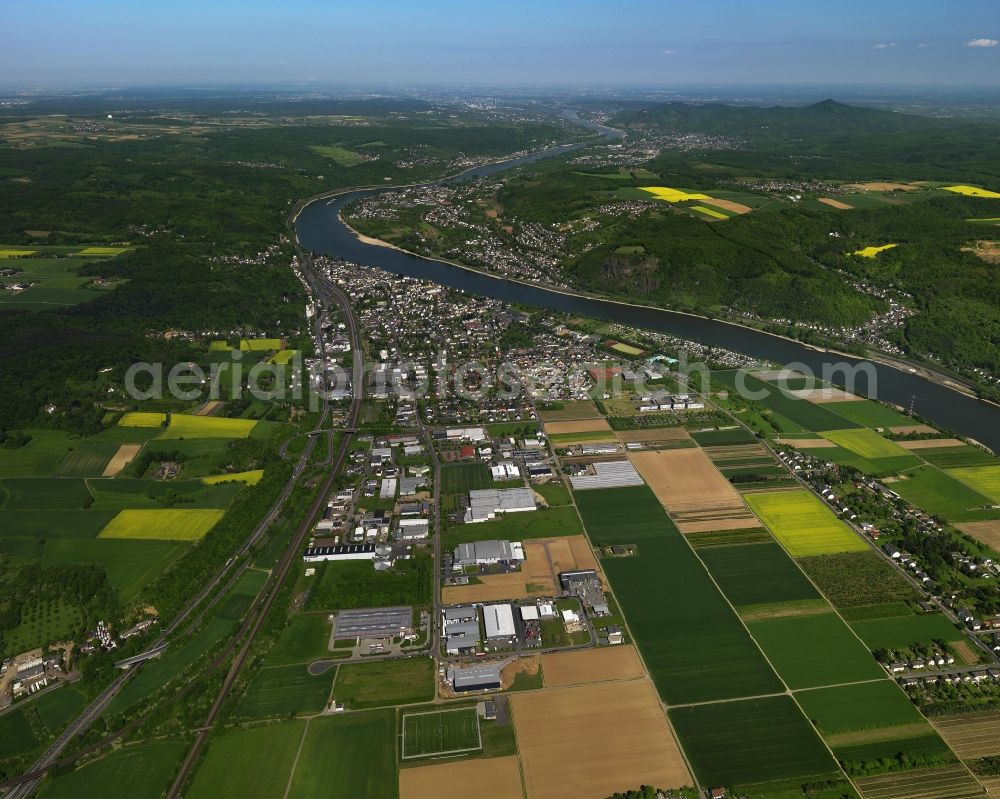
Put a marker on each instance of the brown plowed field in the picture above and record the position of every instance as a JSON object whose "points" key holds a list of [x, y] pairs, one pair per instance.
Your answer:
{"points": [[589, 741], [987, 532], [490, 778], [122, 458], [903, 429], [971, 735], [928, 443], [591, 665], [835, 203], [578, 426], [698, 497]]}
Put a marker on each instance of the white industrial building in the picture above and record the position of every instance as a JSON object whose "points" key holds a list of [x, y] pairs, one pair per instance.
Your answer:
{"points": [[470, 433], [505, 470], [487, 553], [413, 529], [499, 620], [487, 503], [608, 474], [340, 552]]}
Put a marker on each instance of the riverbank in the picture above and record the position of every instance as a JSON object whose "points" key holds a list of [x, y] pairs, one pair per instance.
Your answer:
{"points": [[882, 358]]}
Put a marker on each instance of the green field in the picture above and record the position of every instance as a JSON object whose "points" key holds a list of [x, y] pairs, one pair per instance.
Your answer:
{"points": [[355, 584], [87, 458], [819, 649], [384, 683], [756, 740], [42, 493], [55, 282], [124, 493], [554, 493], [938, 493], [45, 622], [800, 412], [305, 639], [676, 614], [985, 479], [458, 478], [868, 413], [248, 762], [757, 574], [134, 772], [130, 564], [27, 725], [851, 579], [186, 426], [440, 732], [949, 457], [39, 457], [869, 445], [714, 438], [902, 631], [284, 691], [53, 523], [348, 757], [803, 524], [929, 743], [339, 155], [845, 708], [167, 524], [601, 510], [542, 523]]}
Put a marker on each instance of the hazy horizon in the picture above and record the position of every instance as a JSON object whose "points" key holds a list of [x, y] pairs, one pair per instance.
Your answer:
{"points": [[634, 44]]}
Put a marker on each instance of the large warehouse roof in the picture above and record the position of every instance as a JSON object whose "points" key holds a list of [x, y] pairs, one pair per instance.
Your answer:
{"points": [[494, 551], [485, 503], [374, 622], [609, 474], [499, 621], [476, 678]]}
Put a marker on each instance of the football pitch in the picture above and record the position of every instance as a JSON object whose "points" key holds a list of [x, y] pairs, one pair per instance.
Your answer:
{"points": [[441, 732]]}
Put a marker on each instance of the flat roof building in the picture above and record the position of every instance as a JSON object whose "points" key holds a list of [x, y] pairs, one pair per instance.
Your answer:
{"points": [[340, 552], [482, 677], [485, 553], [375, 622], [487, 503], [499, 621]]}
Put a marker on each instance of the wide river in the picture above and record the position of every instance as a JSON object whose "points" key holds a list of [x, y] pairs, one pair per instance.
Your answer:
{"points": [[321, 230]]}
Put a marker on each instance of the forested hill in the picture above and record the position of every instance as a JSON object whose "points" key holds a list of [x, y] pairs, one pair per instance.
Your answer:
{"points": [[831, 139]]}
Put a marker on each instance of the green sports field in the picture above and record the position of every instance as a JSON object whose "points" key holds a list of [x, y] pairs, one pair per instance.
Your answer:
{"points": [[281, 691], [134, 772], [901, 632], [868, 444], [755, 740], [803, 524], [441, 732], [757, 574], [347, 757], [167, 524], [814, 650], [870, 705], [985, 479], [248, 762]]}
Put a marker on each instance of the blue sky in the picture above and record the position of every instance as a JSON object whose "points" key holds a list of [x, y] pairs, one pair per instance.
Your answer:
{"points": [[620, 43]]}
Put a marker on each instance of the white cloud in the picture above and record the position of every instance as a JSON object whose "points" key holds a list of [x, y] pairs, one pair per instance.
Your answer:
{"points": [[922, 44], [885, 45], [982, 43], [669, 52]]}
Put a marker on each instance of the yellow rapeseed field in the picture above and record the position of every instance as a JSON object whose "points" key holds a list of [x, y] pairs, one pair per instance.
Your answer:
{"points": [[972, 191], [871, 252], [250, 478], [673, 195]]}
